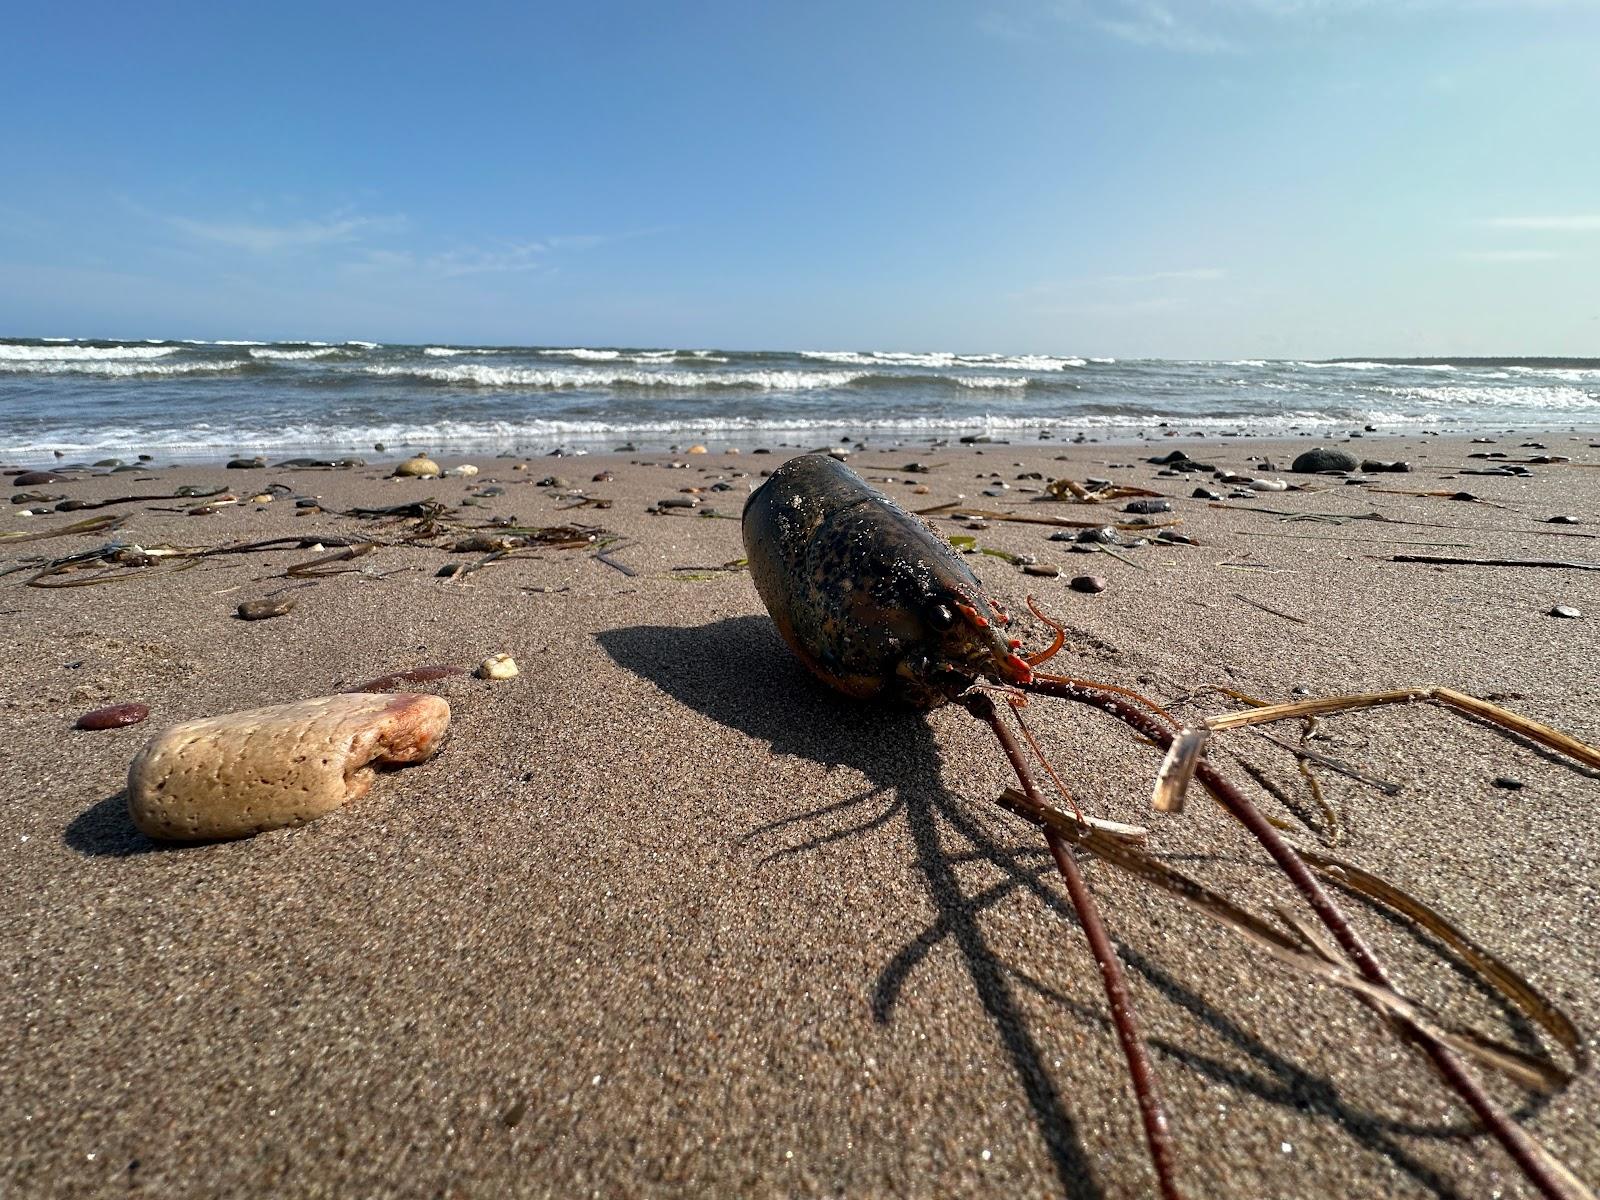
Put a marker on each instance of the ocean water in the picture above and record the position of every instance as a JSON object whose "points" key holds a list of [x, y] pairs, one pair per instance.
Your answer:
{"points": [[194, 400]]}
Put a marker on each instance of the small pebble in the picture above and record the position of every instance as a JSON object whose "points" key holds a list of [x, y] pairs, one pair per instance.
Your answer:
{"points": [[246, 464], [261, 610], [1088, 583], [696, 449], [114, 716], [497, 666], [1557, 520], [1148, 506], [677, 502], [1043, 570], [36, 478], [464, 469], [1565, 610], [1201, 493], [1508, 783]]}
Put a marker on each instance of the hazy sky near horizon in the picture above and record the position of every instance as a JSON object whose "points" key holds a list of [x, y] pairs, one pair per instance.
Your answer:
{"points": [[1212, 178]]}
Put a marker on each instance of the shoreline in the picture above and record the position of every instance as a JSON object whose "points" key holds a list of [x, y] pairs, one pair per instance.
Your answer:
{"points": [[666, 916], [718, 440]]}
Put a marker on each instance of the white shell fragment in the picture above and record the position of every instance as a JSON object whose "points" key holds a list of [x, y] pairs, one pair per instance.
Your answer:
{"points": [[1177, 769], [497, 666]]}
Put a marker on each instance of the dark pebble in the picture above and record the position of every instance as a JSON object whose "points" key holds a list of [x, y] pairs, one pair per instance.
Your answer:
{"points": [[109, 462], [1557, 520], [1088, 583], [36, 478], [1201, 493], [602, 477], [677, 502], [246, 464], [1044, 570], [1510, 784], [1467, 496], [1180, 539], [1105, 536], [1376, 465], [1323, 459], [1148, 506], [554, 481], [115, 716], [41, 498], [306, 502], [260, 610]]}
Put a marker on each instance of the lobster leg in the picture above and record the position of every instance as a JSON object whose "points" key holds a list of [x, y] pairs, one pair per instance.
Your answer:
{"points": [[1153, 1115], [1542, 1169]]}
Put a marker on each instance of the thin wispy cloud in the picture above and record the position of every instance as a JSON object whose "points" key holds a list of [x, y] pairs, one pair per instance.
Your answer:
{"points": [[1579, 223], [1148, 24], [1117, 285], [1509, 256], [1195, 274], [261, 238], [1225, 26], [515, 258]]}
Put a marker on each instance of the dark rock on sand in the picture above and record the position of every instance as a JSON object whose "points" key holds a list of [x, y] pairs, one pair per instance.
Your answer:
{"points": [[113, 716], [1201, 493], [36, 478], [1089, 584], [1376, 465], [1145, 507], [246, 464], [1321, 458]]}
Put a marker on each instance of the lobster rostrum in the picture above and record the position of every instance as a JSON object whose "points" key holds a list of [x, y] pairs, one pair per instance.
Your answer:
{"points": [[875, 603]]}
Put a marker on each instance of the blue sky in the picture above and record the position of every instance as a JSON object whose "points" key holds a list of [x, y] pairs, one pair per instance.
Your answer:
{"points": [[1211, 178]]}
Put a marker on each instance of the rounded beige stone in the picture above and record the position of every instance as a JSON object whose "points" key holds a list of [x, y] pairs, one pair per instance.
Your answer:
{"points": [[419, 467], [269, 768]]}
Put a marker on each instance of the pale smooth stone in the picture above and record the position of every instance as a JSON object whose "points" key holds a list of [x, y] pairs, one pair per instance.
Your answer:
{"points": [[497, 666], [268, 768], [420, 467]]}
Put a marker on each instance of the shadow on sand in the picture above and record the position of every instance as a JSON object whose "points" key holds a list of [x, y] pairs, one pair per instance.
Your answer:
{"points": [[795, 715], [105, 829]]}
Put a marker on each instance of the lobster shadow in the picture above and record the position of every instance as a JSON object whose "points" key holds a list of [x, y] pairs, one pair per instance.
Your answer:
{"points": [[896, 752]]}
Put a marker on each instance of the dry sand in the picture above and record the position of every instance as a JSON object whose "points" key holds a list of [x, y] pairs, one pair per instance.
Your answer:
{"points": [[666, 917]]}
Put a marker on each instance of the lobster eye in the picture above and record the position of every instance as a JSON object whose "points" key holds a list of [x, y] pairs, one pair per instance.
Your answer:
{"points": [[941, 618]]}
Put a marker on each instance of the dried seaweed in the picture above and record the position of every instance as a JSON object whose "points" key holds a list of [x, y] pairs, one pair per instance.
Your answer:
{"points": [[91, 525]]}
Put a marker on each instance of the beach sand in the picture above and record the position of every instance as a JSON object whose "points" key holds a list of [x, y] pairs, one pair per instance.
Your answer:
{"points": [[666, 917]]}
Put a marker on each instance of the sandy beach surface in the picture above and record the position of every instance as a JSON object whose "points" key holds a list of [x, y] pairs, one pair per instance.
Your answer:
{"points": [[666, 917]]}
